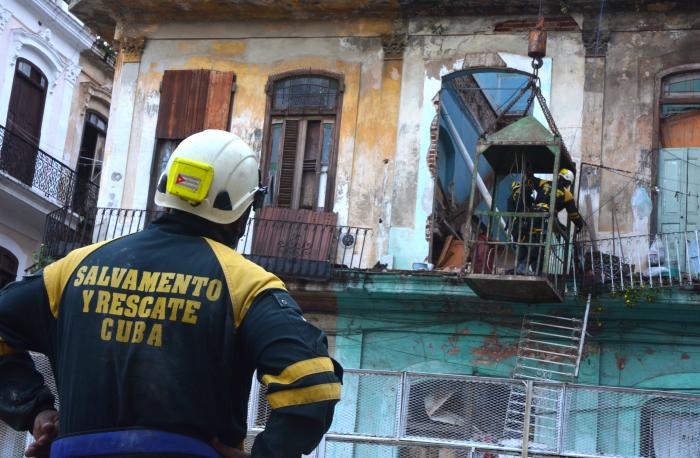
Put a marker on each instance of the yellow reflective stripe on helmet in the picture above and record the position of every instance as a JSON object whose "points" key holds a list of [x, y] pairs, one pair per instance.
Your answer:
{"points": [[56, 275], [299, 370], [245, 280], [305, 395]]}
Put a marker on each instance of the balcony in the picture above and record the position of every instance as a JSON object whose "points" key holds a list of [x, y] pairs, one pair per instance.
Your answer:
{"points": [[29, 167], [290, 249], [629, 265]]}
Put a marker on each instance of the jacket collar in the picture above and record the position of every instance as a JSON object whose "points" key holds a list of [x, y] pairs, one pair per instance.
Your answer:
{"points": [[182, 223]]}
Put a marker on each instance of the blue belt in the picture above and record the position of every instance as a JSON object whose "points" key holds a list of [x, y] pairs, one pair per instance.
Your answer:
{"points": [[142, 441]]}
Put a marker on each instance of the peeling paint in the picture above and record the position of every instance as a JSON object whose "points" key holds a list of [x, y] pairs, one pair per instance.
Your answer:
{"points": [[494, 351]]}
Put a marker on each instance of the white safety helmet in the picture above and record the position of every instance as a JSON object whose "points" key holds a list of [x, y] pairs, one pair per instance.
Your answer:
{"points": [[212, 174], [567, 175]]}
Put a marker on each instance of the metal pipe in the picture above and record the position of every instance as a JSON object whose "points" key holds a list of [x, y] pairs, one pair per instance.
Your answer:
{"points": [[467, 158], [678, 261], [526, 418], [687, 259], [667, 255], [612, 275], [584, 325]]}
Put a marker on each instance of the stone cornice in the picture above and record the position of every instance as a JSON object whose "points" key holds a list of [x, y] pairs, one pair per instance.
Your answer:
{"points": [[131, 48]]}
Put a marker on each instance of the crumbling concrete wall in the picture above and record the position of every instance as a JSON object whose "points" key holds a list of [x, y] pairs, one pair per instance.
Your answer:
{"points": [[436, 47], [619, 113], [367, 140], [382, 180]]}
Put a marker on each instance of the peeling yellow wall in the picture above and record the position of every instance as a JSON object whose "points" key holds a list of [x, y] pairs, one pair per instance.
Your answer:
{"points": [[368, 124]]}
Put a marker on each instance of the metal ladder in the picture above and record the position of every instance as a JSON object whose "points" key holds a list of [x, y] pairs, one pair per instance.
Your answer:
{"points": [[550, 349]]}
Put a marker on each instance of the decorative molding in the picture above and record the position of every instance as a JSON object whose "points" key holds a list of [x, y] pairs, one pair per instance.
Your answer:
{"points": [[5, 16], [22, 38], [131, 48], [394, 45], [45, 33], [71, 72], [91, 90]]}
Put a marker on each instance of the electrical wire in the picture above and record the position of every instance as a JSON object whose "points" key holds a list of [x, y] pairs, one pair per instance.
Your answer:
{"points": [[635, 177]]}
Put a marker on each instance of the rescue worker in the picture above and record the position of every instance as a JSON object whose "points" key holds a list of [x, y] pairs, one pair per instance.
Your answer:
{"points": [[564, 198], [564, 201], [154, 337], [520, 202]]}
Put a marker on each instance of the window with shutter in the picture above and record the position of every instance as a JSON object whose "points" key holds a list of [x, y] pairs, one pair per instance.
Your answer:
{"points": [[300, 158], [296, 229]]}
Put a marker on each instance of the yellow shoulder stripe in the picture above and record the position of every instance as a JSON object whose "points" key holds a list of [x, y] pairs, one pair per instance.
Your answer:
{"points": [[56, 275], [299, 370], [244, 279], [568, 195], [305, 395]]}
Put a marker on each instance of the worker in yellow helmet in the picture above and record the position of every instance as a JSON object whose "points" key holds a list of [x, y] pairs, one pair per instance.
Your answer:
{"points": [[533, 260], [154, 337], [564, 198]]}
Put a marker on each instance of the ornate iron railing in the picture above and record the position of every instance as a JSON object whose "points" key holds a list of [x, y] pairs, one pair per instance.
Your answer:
{"points": [[630, 264], [289, 249], [45, 175]]}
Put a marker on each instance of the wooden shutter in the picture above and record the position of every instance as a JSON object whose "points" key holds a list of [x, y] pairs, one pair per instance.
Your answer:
{"points": [[193, 100], [681, 130], [288, 164]]}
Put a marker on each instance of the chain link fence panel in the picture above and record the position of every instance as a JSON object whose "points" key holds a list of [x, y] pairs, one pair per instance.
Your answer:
{"points": [[609, 422], [412, 415]]}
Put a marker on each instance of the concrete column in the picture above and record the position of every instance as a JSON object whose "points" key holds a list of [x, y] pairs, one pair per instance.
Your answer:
{"points": [[70, 74], [120, 123]]}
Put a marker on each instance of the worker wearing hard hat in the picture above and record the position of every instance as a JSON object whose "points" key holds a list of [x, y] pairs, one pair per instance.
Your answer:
{"points": [[564, 198], [154, 337], [534, 255]]}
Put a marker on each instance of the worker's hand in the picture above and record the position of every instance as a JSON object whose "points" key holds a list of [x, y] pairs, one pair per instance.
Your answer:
{"points": [[44, 431], [227, 452]]}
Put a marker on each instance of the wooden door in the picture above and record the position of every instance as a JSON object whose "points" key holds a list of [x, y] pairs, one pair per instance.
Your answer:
{"points": [[24, 120], [673, 174]]}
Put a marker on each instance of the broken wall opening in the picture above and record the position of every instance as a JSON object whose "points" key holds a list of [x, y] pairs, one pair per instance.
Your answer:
{"points": [[471, 103]]}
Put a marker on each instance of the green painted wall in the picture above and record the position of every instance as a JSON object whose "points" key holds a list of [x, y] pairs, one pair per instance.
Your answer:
{"points": [[434, 323]]}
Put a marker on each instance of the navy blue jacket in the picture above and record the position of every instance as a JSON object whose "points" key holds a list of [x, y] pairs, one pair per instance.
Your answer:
{"points": [[163, 329]]}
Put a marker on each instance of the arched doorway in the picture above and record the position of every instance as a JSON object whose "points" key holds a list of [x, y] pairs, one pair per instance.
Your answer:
{"points": [[8, 267]]}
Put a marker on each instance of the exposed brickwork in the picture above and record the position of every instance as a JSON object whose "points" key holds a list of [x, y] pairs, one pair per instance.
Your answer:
{"points": [[554, 24], [432, 150]]}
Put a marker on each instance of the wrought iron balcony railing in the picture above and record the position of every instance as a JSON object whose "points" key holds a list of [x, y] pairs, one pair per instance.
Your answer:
{"points": [[289, 249], [629, 264], [47, 176]]}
